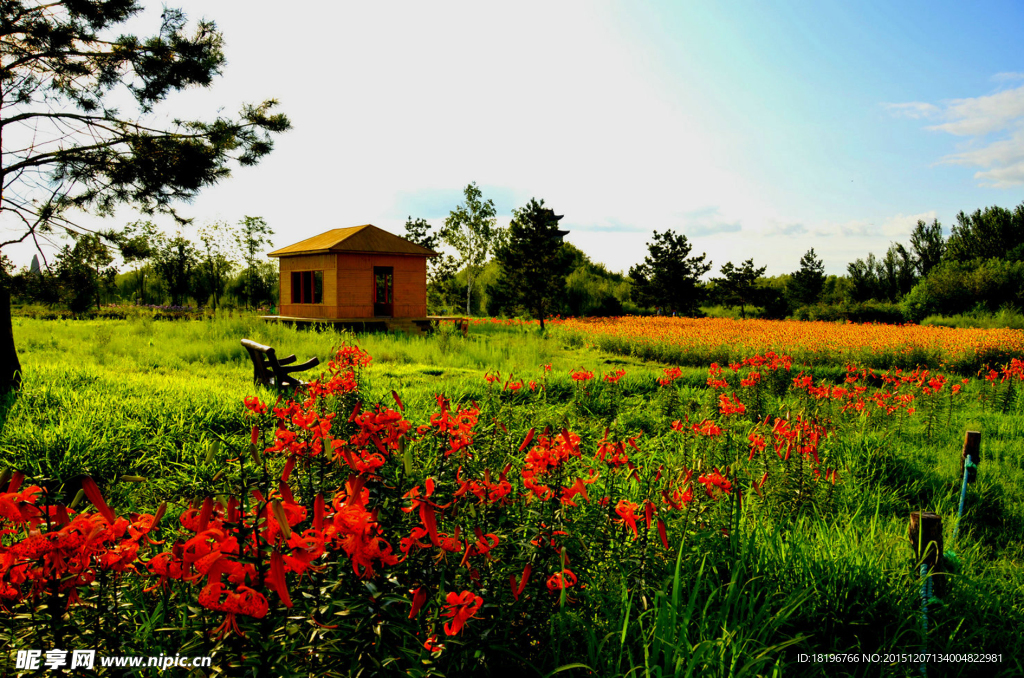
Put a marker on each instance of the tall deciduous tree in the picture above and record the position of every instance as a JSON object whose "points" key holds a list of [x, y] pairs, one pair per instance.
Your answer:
{"points": [[176, 262], [533, 261], [252, 236], [896, 273], [82, 271], [928, 245], [738, 284], [469, 229], [994, 233], [442, 289], [669, 276], [864, 278], [65, 146], [139, 242], [214, 262], [806, 283]]}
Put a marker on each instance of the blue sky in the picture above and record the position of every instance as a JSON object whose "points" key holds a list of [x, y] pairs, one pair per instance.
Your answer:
{"points": [[757, 129]]}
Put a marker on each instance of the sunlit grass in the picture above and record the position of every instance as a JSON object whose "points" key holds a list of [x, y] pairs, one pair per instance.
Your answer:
{"points": [[139, 397]]}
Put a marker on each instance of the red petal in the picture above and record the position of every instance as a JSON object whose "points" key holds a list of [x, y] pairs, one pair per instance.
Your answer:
{"points": [[529, 437], [286, 492], [419, 598], [318, 512], [526, 577], [661, 532], [277, 577], [288, 466], [93, 493], [427, 516], [204, 515]]}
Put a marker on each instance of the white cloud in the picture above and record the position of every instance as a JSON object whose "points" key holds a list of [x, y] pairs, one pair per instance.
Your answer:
{"points": [[983, 115], [994, 125], [1007, 77], [900, 226], [706, 221], [1003, 160], [912, 109], [788, 230]]}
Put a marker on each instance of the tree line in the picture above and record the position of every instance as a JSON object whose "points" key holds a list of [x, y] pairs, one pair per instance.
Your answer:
{"points": [[527, 269], [224, 262]]}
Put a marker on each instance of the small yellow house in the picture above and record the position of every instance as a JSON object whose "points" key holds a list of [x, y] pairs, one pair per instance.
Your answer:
{"points": [[357, 273]]}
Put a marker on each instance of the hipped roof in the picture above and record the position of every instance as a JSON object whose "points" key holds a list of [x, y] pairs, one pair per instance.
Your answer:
{"points": [[365, 239]]}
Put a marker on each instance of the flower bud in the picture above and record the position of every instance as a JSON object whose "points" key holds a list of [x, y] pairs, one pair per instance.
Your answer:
{"points": [[160, 510], [212, 450], [278, 510]]}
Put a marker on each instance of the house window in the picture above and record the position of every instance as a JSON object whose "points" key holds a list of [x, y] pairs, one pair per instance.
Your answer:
{"points": [[307, 287]]}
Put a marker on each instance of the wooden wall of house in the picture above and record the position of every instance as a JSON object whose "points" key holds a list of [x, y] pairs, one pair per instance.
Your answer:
{"points": [[348, 285], [309, 262], [355, 284]]}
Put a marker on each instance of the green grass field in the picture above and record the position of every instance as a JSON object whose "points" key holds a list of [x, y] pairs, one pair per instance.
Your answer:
{"points": [[800, 566]]}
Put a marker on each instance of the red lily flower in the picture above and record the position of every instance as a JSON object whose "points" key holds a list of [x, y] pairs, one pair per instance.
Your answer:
{"points": [[461, 608], [625, 509]]}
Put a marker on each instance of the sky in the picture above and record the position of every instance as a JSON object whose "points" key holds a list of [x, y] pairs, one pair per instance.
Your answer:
{"points": [[758, 130]]}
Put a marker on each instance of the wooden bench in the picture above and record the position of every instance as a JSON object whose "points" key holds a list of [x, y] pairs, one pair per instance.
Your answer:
{"points": [[271, 371]]}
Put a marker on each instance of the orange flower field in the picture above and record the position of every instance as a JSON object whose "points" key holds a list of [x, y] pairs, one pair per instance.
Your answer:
{"points": [[698, 341]]}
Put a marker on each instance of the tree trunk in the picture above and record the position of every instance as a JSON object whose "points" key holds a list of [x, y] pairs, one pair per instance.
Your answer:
{"points": [[469, 288], [10, 366]]}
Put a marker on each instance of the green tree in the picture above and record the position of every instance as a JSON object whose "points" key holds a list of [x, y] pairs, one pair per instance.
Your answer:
{"points": [[864, 278], [258, 286], [995, 232], [82, 271], [418, 231], [896, 273], [469, 230], [175, 262], [806, 283], [62, 66], [533, 262], [252, 236], [138, 242], [215, 263], [928, 245], [443, 289], [739, 285], [669, 276], [442, 292]]}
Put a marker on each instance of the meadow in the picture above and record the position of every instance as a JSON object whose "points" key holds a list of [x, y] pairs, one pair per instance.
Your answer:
{"points": [[589, 501]]}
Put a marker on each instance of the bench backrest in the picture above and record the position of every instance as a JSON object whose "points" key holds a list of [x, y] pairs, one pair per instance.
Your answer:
{"points": [[264, 362]]}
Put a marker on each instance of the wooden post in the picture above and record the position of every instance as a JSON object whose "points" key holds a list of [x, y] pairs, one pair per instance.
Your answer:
{"points": [[972, 447], [926, 543]]}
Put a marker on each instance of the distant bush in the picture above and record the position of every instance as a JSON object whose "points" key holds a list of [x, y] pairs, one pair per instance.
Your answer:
{"points": [[731, 312], [862, 312], [958, 288], [1005, 318], [40, 312]]}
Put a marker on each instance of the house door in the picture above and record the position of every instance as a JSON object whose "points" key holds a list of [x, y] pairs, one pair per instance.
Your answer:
{"points": [[383, 291]]}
